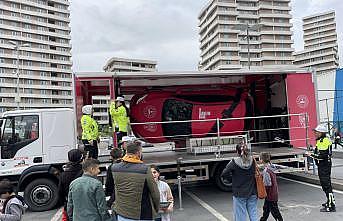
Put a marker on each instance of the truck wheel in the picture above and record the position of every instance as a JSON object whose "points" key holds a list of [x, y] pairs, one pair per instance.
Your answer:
{"points": [[222, 184], [41, 195]]}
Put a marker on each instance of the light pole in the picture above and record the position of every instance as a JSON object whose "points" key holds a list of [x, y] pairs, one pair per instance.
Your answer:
{"points": [[247, 27], [17, 48]]}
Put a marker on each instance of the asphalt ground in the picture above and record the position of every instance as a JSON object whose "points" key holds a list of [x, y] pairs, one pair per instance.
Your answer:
{"points": [[297, 201]]}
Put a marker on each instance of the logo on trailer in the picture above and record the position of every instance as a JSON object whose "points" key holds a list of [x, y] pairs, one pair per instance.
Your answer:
{"points": [[203, 114], [150, 127], [302, 101], [150, 111], [302, 120]]}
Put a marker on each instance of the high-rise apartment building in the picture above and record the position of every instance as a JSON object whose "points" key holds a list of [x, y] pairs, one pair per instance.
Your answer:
{"points": [[37, 34], [320, 43], [224, 43], [115, 64]]}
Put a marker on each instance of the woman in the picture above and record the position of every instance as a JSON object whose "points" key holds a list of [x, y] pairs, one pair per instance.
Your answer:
{"points": [[165, 196], [14, 206], [242, 169]]}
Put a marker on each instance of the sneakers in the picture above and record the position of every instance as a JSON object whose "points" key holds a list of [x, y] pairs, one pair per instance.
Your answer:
{"points": [[325, 204], [328, 209]]}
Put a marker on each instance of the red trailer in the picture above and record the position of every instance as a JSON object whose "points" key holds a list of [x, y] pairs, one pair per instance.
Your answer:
{"points": [[274, 107]]}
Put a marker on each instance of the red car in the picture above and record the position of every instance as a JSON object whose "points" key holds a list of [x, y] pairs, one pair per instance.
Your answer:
{"points": [[186, 106]]}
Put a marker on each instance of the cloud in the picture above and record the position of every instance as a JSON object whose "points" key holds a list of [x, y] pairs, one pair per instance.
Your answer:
{"points": [[160, 30], [165, 31]]}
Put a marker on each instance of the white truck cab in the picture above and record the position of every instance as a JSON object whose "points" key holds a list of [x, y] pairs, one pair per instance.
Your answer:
{"points": [[33, 147]]}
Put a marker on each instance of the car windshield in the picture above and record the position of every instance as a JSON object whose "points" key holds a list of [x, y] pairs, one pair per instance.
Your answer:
{"points": [[174, 110]]}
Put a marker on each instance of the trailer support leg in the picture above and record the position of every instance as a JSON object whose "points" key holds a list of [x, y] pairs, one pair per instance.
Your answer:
{"points": [[180, 192]]}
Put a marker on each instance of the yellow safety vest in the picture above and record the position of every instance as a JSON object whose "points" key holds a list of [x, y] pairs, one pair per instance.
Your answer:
{"points": [[119, 117], [89, 128], [323, 144]]}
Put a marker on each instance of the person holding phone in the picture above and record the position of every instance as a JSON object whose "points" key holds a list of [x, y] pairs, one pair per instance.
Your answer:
{"points": [[166, 196]]}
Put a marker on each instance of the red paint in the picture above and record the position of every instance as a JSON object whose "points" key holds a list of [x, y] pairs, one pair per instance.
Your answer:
{"points": [[151, 107], [301, 99]]}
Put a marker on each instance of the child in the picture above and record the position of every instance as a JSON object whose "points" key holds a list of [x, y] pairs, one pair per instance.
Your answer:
{"points": [[14, 205], [165, 195], [269, 179]]}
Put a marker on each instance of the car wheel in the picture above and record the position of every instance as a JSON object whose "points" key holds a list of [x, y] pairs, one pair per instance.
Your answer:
{"points": [[222, 184], [41, 195]]}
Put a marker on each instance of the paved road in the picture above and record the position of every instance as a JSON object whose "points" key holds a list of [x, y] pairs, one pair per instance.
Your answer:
{"points": [[298, 201]]}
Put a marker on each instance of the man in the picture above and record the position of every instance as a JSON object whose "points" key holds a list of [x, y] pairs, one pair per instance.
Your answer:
{"points": [[136, 192], [90, 132], [86, 198], [120, 117], [322, 156]]}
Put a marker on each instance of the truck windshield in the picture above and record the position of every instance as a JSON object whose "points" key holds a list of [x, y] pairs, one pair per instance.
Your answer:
{"points": [[18, 132]]}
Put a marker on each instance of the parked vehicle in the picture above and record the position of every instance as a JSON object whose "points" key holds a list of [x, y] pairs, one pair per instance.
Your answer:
{"points": [[34, 143], [188, 106]]}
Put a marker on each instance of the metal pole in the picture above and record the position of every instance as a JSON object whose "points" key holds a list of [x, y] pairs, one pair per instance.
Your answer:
{"points": [[306, 129], [178, 161], [337, 112], [17, 98], [327, 113], [218, 138], [248, 38]]}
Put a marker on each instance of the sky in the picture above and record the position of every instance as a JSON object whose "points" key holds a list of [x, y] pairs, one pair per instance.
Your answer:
{"points": [[165, 31]]}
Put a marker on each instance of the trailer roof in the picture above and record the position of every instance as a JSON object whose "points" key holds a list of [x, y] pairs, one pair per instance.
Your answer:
{"points": [[189, 74], [30, 111]]}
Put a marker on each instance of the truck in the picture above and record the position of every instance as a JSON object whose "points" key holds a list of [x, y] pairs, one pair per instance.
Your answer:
{"points": [[34, 143]]}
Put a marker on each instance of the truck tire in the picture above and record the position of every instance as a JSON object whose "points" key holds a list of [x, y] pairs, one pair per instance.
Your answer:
{"points": [[41, 195], [222, 184]]}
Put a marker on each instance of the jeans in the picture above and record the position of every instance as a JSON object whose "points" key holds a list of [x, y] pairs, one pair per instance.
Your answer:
{"points": [[120, 218], [242, 206]]}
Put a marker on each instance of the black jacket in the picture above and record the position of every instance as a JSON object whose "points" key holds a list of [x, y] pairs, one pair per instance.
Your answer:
{"points": [[71, 171], [243, 177], [109, 184]]}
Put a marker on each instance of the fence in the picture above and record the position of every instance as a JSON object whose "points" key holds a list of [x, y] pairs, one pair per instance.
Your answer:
{"points": [[331, 109], [268, 131]]}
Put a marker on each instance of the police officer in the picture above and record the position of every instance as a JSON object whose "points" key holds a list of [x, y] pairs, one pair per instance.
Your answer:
{"points": [[90, 133], [322, 156], [120, 117]]}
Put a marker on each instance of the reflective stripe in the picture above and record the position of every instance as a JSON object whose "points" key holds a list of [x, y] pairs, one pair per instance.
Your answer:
{"points": [[323, 144]]}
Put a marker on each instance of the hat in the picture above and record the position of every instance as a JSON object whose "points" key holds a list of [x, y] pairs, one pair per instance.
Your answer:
{"points": [[87, 109], [321, 128], [75, 155], [127, 139], [120, 99]]}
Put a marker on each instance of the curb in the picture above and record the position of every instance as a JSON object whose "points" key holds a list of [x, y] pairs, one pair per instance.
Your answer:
{"points": [[337, 184]]}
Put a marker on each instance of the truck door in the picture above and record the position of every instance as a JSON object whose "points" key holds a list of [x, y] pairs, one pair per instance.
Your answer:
{"points": [[301, 99], [20, 144]]}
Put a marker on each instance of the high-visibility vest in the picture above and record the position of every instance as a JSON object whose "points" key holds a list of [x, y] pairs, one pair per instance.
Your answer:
{"points": [[89, 128], [113, 118], [119, 116], [323, 144]]}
